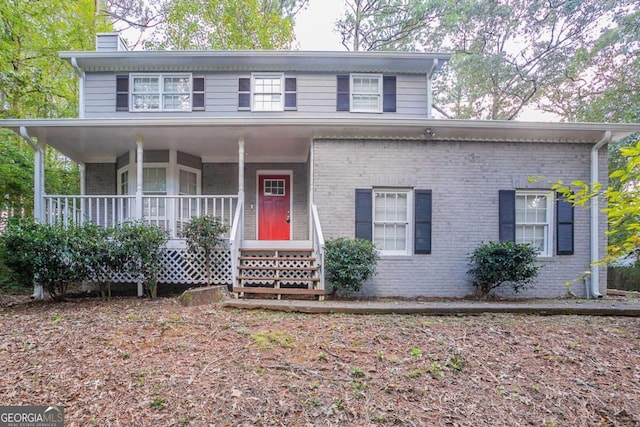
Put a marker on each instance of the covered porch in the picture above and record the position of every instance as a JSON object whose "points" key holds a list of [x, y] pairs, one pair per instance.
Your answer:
{"points": [[256, 180]]}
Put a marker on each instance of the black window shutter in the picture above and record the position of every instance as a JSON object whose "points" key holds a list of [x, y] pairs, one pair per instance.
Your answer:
{"points": [[564, 227], [122, 93], [197, 102], [422, 233], [244, 93], [507, 214], [290, 96], [389, 94], [342, 95], [364, 214]]}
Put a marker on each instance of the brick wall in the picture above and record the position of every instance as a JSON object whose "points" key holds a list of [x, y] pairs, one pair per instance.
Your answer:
{"points": [[465, 178], [100, 178]]}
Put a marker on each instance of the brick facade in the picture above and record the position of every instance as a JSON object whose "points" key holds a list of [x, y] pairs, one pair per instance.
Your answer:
{"points": [[465, 178]]}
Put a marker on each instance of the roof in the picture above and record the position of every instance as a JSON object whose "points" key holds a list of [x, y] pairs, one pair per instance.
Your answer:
{"points": [[285, 139], [247, 61]]}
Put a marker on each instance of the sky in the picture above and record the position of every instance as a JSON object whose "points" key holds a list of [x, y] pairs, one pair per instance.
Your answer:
{"points": [[314, 25]]}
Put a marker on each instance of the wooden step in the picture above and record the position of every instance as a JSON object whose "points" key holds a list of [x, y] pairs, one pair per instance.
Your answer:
{"points": [[271, 258], [281, 291], [279, 279], [273, 267], [276, 250]]}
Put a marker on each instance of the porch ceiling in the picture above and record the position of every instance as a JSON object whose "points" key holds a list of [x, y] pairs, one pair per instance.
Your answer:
{"points": [[269, 139]]}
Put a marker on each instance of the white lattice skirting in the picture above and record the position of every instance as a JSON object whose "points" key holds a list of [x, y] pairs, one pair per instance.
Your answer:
{"points": [[182, 267]]}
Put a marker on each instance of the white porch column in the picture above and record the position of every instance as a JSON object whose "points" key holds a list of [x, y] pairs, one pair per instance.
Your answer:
{"points": [[241, 168], [139, 176], [83, 176], [139, 179], [38, 184]]}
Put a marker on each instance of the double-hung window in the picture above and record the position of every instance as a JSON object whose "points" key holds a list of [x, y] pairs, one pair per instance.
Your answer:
{"points": [[161, 92], [391, 221], [366, 93], [268, 92], [534, 219]]}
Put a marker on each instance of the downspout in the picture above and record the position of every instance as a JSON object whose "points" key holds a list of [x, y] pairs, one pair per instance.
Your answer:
{"points": [[595, 211], [38, 181], [81, 75], [429, 90]]}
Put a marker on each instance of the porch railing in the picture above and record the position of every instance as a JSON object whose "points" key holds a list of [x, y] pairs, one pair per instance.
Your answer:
{"points": [[318, 242], [235, 240], [168, 212]]}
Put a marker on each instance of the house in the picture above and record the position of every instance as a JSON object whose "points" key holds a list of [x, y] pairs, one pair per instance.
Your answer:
{"points": [[294, 148]]}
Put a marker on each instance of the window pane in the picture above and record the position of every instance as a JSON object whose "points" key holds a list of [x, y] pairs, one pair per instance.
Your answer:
{"points": [[188, 183], [365, 102], [146, 102], [154, 180], [176, 102], [176, 85], [146, 85]]}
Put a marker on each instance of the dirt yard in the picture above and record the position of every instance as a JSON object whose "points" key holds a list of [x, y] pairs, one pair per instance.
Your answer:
{"points": [[132, 362]]}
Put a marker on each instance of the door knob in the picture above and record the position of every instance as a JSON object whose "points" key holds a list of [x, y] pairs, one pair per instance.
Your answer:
{"points": [[288, 218]]}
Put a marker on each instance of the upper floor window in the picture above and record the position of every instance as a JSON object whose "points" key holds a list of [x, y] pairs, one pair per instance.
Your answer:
{"points": [[159, 92], [267, 92], [366, 93]]}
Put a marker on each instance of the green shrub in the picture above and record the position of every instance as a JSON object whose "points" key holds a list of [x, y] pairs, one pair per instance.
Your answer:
{"points": [[145, 245], [624, 278], [349, 263], [17, 251], [494, 264], [49, 254], [204, 233]]}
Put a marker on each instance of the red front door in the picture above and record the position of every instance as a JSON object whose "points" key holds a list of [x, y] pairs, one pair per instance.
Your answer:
{"points": [[274, 207]]}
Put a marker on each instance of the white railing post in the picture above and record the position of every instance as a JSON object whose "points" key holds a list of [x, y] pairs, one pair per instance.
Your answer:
{"points": [[318, 243]]}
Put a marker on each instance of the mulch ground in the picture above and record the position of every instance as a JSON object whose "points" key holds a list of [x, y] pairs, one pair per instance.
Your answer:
{"points": [[135, 362]]}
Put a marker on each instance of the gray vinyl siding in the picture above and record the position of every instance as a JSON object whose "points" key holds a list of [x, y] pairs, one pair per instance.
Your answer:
{"points": [[465, 178], [316, 95]]}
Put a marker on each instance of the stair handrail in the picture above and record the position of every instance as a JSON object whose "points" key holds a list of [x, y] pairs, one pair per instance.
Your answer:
{"points": [[235, 239], [318, 242]]}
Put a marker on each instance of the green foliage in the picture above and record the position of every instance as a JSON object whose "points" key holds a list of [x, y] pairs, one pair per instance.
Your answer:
{"points": [[18, 245], [145, 245], [624, 278], [510, 55], [49, 254], [54, 255], [205, 233], [227, 24], [494, 264], [622, 206], [349, 263]]}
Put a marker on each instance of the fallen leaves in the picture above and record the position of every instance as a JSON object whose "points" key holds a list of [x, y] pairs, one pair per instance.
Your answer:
{"points": [[138, 362]]}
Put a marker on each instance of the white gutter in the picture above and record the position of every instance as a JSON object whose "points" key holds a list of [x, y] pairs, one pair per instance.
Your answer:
{"points": [[81, 75], [595, 211], [429, 89]]}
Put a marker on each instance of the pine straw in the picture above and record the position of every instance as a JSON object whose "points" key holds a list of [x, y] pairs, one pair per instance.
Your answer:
{"points": [[154, 363]]}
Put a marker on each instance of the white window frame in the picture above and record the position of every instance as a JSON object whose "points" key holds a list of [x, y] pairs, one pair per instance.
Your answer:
{"points": [[161, 92], [408, 222], [254, 93], [353, 93], [547, 249]]}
